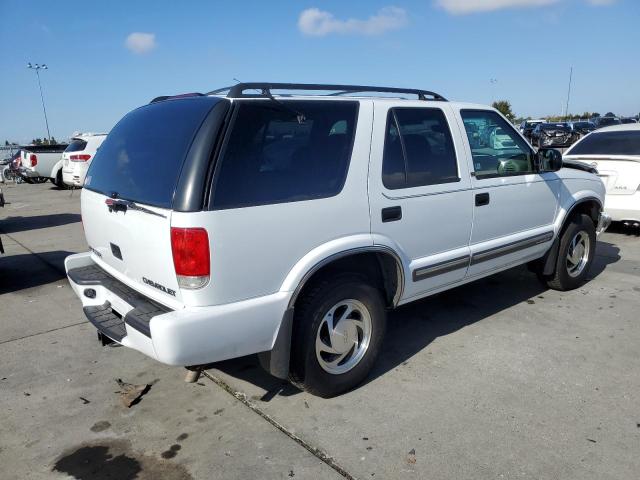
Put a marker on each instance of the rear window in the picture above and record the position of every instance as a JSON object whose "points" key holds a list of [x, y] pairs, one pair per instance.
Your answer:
{"points": [[142, 157], [555, 126], [285, 152], [608, 143], [76, 145]]}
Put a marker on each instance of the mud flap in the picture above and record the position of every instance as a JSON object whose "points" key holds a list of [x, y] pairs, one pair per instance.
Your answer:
{"points": [[276, 360]]}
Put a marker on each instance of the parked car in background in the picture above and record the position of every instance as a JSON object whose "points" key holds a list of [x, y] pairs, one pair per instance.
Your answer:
{"points": [[77, 157], [39, 163], [553, 135], [527, 127], [628, 120], [601, 122], [288, 224], [615, 153], [582, 128]]}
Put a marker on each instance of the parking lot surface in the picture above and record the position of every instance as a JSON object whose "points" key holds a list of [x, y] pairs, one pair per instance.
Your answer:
{"points": [[501, 378]]}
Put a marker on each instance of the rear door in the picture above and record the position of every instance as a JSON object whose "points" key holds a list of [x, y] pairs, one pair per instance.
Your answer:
{"points": [[420, 196], [140, 164]]}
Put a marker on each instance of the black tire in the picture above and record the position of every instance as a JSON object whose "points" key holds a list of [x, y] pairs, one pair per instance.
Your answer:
{"points": [[562, 279], [310, 310], [40, 179], [58, 182]]}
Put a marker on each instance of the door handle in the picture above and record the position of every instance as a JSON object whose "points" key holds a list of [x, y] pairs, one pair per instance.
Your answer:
{"points": [[482, 199], [391, 214]]}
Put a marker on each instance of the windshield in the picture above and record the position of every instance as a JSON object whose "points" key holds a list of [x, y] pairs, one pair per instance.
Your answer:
{"points": [[583, 125], [142, 157], [76, 145], [608, 143]]}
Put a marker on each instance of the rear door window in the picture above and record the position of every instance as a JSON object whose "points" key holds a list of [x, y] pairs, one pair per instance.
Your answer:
{"points": [[285, 151], [418, 149], [142, 157]]}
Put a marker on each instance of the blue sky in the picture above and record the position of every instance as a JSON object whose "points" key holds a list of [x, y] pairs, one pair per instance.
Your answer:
{"points": [[454, 47]]}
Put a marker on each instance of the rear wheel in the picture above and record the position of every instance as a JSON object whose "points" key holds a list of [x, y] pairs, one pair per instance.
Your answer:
{"points": [[339, 326], [58, 182], [575, 254]]}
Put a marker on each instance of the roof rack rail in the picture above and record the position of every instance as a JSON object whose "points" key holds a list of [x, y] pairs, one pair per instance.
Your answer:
{"points": [[237, 91], [170, 97]]}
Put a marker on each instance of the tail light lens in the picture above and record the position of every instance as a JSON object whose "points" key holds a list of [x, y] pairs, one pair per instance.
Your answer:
{"points": [[190, 249], [34, 159], [80, 158]]}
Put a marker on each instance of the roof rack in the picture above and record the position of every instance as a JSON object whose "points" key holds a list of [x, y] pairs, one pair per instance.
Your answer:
{"points": [[237, 91]]}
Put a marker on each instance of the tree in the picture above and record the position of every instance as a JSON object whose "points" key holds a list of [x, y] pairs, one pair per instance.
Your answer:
{"points": [[504, 107], [6, 143]]}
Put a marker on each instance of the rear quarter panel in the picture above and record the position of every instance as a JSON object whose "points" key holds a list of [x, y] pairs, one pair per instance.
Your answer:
{"points": [[254, 249]]}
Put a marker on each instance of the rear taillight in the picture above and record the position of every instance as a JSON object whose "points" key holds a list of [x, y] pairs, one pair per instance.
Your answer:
{"points": [[34, 159], [190, 248], [80, 158]]}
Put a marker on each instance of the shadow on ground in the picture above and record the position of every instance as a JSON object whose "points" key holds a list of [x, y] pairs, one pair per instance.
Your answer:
{"points": [[21, 224], [413, 327], [19, 272]]}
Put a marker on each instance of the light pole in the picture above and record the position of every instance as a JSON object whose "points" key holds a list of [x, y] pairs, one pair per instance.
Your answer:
{"points": [[37, 68], [493, 82]]}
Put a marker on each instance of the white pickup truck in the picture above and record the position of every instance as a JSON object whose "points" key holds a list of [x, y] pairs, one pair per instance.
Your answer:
{"points": [[40, 163], [288, 225]]}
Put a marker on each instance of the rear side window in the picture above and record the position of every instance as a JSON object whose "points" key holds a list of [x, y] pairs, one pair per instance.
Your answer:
{"points": [[609, 143], [418, 149], [76, 145], [285, 152], [142, 157]]}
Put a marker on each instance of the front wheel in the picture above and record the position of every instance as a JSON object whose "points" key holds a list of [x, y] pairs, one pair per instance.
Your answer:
{"points": [[339, 326], [575, 254]]}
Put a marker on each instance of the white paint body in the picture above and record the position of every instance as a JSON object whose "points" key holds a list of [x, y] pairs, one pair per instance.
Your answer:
{"points": [[260, 254], [48, 164], [73, 172], [621, 176]]}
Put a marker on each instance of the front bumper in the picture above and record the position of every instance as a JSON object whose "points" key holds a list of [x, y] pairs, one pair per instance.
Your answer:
{"points": [[187, 336], [603, 223]]}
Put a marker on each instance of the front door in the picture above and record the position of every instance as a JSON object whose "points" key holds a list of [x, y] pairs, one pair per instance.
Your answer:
{"points": [[514, 205]]}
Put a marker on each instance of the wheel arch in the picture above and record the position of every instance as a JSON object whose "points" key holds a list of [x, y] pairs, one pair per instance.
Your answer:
{"points": [[368, 258], [589, 205]]}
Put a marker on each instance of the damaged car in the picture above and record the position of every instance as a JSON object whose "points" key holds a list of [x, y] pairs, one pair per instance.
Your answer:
{"points": [[553, 135]]}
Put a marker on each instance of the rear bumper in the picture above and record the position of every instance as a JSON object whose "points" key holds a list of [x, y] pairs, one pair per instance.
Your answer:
{"points": [[623, 208], [188, 336], [73, 174]]}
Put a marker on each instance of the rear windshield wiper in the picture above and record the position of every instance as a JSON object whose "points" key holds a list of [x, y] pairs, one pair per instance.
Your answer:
{"points": [[117, 204]]}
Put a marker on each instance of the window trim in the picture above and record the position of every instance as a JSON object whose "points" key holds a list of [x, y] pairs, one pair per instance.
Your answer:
{"points": [[228, 131], [392, 112], [473, 172]]}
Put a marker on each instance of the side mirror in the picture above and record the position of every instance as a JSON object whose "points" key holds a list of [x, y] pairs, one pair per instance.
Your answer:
{"points": [[549, 160]]}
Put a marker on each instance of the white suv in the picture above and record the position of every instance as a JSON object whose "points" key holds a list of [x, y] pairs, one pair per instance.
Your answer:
{"points": [[287, 225], [78, 155]]}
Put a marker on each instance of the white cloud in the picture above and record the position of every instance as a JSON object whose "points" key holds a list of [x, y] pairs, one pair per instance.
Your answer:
{"points": [[316, 22], [141, 43], [459, 7]]}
